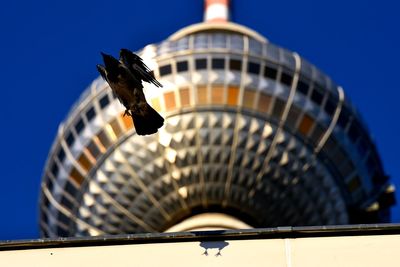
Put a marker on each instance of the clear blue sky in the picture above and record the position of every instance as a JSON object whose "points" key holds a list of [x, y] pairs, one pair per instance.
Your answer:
{"points": [[49, 50]]}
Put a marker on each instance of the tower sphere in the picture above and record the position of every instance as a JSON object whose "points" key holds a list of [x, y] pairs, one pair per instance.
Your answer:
{"points": [[253, 133]]}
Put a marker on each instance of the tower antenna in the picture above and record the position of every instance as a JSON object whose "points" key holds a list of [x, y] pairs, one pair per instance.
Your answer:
{"points": [[216, 10]]}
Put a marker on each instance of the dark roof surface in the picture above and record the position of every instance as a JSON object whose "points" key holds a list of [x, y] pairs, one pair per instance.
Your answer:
{"points": [[246, 234]]}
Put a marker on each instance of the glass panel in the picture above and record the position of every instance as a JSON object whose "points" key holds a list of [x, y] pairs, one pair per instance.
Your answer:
{"points": [[270, 71], [61, 154], [293, 116], [165, 70], [305, 125], [101, 146], [76, 176], [185, 97], [218, 40], [65, 202], [303, 86], [70, 188], [264, 102], [79, 126], [169, 99], [255, 46], [115, 126], [317, 133], [94, 150], [200, 41], [218, 63], [253, 68], [273, 52], [235, 64], [49, 183], [104, 101], [54, 169], [233, 94], [278, 108], [201, 63], [65, 220], [248, 98], [182, 44], [202, 95], [46, 201], [236, 42], [127, 120], [182, 66], [155, 102], [286, 78], [89, 156], [70, 139], [317, 96], [330, 105], [217, 95], [90, 114], [84, 162], [103, 137]]}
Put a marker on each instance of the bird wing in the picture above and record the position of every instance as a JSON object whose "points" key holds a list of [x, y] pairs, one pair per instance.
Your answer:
{"points": [[136, 65]]}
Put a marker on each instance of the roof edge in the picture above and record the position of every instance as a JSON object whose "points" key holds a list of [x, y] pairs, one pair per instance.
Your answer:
{"points": [[256, 233], [208, 26]]}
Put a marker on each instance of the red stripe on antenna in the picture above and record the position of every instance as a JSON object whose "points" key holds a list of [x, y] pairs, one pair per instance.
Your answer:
{"points": [[224, 2]]}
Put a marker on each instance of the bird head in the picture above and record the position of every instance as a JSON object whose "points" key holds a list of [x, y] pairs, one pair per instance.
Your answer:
{"points": [[110, 62]]}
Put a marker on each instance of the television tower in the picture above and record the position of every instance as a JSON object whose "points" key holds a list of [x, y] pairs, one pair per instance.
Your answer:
{"points": [[254, 136]]}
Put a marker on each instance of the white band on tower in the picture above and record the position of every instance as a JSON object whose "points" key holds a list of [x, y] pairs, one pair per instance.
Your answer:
{"points": [[216, 11]]}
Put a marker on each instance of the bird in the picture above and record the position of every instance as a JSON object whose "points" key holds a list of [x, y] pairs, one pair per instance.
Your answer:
{"points": [[127, 86]]}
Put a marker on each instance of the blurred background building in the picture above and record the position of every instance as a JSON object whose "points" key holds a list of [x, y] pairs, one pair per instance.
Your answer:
{"points": [[254, 136]]}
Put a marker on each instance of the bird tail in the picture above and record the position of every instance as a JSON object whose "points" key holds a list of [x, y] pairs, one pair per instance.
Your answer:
{"points": [[147, 121]]}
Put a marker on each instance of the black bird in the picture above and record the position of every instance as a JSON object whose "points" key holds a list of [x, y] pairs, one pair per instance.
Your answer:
{"points": [[127, 86], [137, 67]]}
